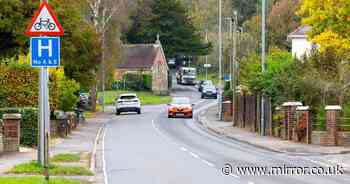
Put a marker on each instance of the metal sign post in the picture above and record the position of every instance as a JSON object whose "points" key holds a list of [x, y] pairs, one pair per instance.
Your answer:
{"points": [[45, 53]]}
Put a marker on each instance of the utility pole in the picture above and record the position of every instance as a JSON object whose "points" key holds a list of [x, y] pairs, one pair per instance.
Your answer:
{"points": [[230, 20], [263, 65], [234, 60], [220, 60], [206, 56]]}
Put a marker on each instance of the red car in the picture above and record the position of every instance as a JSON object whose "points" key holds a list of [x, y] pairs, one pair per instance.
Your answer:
{"points": [[180, 107]]}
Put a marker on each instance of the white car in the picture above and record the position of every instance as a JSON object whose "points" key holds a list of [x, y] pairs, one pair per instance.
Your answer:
{"points": [[128, 103]]}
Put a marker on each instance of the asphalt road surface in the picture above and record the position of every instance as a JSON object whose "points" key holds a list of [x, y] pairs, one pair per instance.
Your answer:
{"points": [[152, 149]]}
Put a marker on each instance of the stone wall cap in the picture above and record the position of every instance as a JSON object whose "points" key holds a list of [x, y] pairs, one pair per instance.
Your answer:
{"points": [[11, 116], [286, 104], [333, 107], [303, 108]]}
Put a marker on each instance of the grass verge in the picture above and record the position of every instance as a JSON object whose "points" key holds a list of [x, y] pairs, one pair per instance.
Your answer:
{"points": [[67, 157], [147, 98], [38, 180], [34, 168]]}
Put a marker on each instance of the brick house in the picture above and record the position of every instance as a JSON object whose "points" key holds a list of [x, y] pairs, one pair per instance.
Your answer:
{"points": [[145, 59]]}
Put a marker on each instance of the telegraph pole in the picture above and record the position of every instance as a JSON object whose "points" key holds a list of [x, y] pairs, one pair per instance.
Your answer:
{"points": [[220, 60], [263, 65], [234, 60], [230, 20], [206, 57]]}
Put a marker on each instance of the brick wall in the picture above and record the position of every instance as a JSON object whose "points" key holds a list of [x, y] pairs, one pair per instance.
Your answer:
{"points": [[318, 137], [343, 138]]}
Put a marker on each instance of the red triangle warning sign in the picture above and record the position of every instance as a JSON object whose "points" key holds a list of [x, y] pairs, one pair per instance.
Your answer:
{"points": [[45, 23]]}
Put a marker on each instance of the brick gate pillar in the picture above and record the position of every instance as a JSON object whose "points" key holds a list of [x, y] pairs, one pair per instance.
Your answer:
{"points": [[332, 117], [11, 133], [290, 119]]}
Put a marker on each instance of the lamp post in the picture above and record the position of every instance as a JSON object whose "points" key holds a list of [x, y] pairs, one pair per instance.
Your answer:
{"points": [[263, 65], [234, 60], [220, 60]]}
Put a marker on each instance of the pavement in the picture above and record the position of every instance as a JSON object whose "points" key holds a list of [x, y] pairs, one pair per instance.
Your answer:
{"points": [[82, 140], [327, 154]]}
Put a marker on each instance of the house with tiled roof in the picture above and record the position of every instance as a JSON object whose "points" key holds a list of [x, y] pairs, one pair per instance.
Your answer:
{"points": [[301, 46], [145, 59]]}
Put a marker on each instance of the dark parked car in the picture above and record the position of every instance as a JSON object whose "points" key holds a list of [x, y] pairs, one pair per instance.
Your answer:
{"points": [[209, 91], [204, 83]]}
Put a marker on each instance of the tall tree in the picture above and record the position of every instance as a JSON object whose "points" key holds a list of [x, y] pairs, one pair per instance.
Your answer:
{"points": [[169, 19], [330, 22], [282, 20], [14, 16], [246, 9]]}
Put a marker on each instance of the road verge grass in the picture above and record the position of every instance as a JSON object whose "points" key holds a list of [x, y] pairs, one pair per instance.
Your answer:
{"points": [[66, 157], [38, 180], [147, 98], [34, 168]]}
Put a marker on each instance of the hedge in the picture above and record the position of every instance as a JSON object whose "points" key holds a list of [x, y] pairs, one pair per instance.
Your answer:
{"points": [[29, 124], [132, 81]]}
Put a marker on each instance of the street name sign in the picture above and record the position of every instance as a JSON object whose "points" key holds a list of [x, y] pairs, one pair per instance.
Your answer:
{"points": [[45, 23], [45, 51]]}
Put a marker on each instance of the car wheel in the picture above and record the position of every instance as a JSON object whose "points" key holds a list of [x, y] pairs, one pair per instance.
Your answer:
{"points": [[169, 116], [117, 113], [138, 111], [202, 97]]}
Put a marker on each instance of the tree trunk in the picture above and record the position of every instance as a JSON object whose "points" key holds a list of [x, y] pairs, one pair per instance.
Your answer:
{"points": [[93, 98]]}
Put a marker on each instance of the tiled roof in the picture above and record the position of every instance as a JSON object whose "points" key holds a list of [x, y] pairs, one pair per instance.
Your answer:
{"points": [[138, 56], [300, 31]]}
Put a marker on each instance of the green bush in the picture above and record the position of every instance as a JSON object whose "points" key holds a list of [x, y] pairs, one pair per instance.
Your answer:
{"points": [[320, 120], [137, 82], [67, 97], [29, 124]]}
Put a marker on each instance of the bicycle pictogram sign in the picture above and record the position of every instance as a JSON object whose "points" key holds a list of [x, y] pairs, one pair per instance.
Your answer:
{"points": [[46, 24]]}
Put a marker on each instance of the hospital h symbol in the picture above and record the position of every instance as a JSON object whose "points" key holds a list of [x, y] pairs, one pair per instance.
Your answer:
{"points": [[47, 47]]}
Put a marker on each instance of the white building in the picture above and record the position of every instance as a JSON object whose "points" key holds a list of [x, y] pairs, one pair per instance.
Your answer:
{"points": [[300, 43]]}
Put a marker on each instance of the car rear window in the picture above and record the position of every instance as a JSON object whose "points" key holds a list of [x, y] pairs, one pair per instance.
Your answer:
{"points": [[127, 97]]}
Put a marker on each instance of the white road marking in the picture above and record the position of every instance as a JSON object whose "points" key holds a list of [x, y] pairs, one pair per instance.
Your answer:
{"points": [[194, 155], [250, 182], [208, 163], [183, 149], [103, 158], [235, 176]]}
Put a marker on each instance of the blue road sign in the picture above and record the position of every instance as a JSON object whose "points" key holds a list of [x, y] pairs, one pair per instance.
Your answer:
{"points": [[227, 78], [45, 51]]}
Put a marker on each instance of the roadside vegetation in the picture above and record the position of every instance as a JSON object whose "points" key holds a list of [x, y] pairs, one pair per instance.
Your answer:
{"points": [[66, 157], [147, 98], [38, 180], [34, 168]]}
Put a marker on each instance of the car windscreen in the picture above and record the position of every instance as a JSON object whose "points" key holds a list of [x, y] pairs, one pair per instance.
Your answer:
{"points": [[181, 101], [209, 87], [207, 83], [189, 72]]}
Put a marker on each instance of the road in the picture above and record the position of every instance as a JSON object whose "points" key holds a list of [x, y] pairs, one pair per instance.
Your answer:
{"points": [[152, 149]]}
